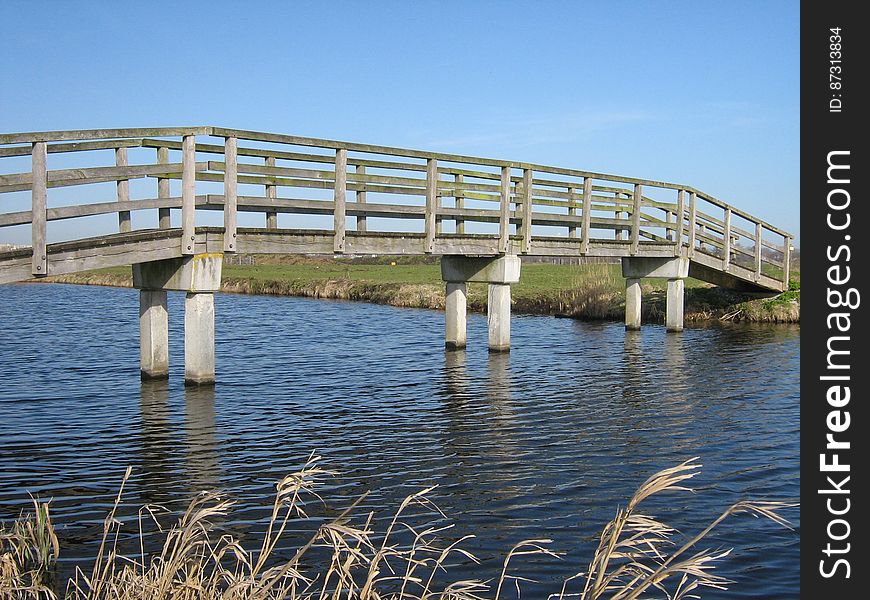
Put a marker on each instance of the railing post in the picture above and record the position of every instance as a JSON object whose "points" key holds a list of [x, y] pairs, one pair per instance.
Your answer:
{"points": [[361, 224], [340, 196], [617, 215], [163, 214], [681, 208], [459, 203], [572, 212], [431, 209], [188, 194], [527, 210], [271, 194], [38, 193], [587, 215], [505, 213], [758, 232], [726, 260], [786, 263], [231, 183], [693, 201], [123, 191], [635, 219]]}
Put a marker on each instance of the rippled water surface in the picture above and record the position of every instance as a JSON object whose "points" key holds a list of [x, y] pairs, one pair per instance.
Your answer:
{"points": [[544, 442]]}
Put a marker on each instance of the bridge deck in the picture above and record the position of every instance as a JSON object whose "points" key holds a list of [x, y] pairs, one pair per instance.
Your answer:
{"points": [[464, 205]]}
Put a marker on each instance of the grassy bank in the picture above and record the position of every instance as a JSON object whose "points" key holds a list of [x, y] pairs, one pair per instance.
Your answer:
{"points": [[594, 291]]}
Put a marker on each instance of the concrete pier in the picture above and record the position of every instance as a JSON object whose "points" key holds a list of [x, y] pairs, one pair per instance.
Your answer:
{"points": [[674, 269], [497, 271], [498, 317], [675, 300], [199, 359], [199, 276], [632, 304], [153, 335], [455, 310]]}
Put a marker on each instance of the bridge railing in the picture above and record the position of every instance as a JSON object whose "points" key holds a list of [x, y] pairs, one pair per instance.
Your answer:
{"points": [[520, 207]]}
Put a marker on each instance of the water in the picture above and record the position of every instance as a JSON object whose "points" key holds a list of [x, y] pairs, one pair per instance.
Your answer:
{"points": [[544, 442]]}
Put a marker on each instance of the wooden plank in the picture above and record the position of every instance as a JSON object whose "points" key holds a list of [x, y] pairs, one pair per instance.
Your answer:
{"points": [[361, 224], [65, 177], [339, 199], [726, 246], [635, 218], [100, 134], [693, 219], [526, 221], [164, 217], [230, 193], [72, 147], [681, 208], [786, 263], [38, 197], [123, 192], [617, 214], [272, 193], [431, 205], [587, 215], [188, 194], [459, 202], [504, 220]]}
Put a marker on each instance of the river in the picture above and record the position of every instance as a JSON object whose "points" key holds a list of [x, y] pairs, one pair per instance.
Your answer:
{"points": [[544, 442]]}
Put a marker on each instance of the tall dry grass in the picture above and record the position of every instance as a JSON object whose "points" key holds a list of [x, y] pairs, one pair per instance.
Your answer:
{"points": [[637, 555]]}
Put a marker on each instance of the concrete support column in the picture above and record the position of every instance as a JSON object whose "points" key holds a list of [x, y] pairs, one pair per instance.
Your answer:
{"points": [[632, 303], [153, 335], [498, 317], [455, 315], [199, 362], [676, 289]]}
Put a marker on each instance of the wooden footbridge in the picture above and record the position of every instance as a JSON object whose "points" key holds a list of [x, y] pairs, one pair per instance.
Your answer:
{"points": [[318, 196]]}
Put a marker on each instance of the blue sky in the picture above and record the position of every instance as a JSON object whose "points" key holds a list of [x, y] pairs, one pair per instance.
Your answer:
{"points": [[702, 93]]}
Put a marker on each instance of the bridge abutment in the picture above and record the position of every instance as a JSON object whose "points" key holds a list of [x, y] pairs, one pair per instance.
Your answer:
{"points": [[499, 273], [199, 276], [675, 270]]}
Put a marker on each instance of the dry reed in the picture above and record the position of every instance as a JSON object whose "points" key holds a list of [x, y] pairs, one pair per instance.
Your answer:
{"points": [[636, 556]]}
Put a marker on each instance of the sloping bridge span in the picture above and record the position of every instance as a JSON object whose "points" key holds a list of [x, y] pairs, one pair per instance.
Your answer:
{"points": [[218, 190]]}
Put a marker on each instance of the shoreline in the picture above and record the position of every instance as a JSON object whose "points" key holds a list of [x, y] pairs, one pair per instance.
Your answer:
{"points": [[589, 302]]}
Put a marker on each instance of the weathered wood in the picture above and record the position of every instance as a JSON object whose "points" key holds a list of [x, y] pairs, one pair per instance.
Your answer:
{"points": [[38, 198], [572, 212], [339, 198], [188, 194], [693, 218], [786, 263], [526, 222], [123, 191], [230, 193], [758, 234], [431, 205], [66, 177], [164, 217], [361, 223], [587, 215], [678, 234], [459, 201], [271, 193], [726, 245], [504, 221], [100, 134], [635, 218]]}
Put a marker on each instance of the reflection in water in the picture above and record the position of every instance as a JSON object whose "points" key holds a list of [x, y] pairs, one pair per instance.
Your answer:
{"points": [[156, 457], [202, 447]]}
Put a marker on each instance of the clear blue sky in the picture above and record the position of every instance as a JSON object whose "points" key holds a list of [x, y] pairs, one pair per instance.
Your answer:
{"points": [[703, 93]]}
